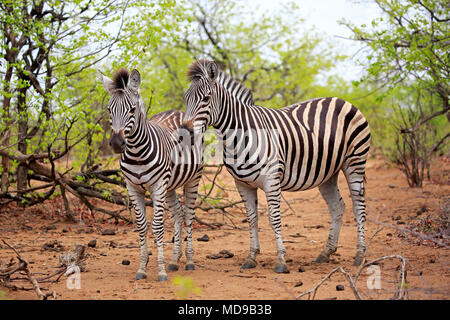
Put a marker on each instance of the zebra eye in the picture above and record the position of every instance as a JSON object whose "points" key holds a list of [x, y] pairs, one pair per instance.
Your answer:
{"points": [[206, 98]]}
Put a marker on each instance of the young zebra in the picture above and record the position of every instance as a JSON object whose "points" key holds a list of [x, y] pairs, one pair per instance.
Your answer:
{"points": [[152, 159], [298, 147]]}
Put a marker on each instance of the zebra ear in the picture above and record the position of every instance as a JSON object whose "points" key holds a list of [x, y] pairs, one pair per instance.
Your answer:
{"points": [[212, 70], [134, 81], [107, 82]]}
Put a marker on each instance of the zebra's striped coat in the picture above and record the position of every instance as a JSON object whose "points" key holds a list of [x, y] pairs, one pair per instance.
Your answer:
{"points": [[153, 160], [298, 147]]}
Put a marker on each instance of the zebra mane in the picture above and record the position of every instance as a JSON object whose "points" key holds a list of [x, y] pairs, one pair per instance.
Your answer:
{"points": [[120, 79], [237, 88], [242, 93], [197, 69]]}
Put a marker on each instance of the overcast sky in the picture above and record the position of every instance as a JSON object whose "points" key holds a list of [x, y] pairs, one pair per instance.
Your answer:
{"points": [[324, 14]]}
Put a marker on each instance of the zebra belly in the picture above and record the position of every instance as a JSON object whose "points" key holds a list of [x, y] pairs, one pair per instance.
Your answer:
{"points": [[256, 179], [142, 174], [182, 174]]}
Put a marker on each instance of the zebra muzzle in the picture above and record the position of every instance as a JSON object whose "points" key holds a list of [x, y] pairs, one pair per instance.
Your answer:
{"points": [[117, 142]]}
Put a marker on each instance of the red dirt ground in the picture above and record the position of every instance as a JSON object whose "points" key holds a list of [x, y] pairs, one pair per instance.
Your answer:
{"points": [[305, 230]]}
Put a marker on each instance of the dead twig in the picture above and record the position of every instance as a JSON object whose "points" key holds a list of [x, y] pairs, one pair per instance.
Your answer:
{"points": [[313, 291], [23, 266]]}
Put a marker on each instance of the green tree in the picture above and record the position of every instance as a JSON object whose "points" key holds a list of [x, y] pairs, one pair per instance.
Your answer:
{"points": [[273, 53], [50, 100], [409, 53]]}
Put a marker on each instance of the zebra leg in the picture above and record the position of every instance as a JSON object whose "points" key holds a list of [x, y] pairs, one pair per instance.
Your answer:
{"points": [[249, 195], [137, 199], [336, 206], [273, 196], [355, 180], [190, 192], [177, 215], [158, 193]]}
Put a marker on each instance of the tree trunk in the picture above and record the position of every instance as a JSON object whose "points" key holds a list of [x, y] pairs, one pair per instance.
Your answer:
{"points": [[7, 133], [22, 146]]}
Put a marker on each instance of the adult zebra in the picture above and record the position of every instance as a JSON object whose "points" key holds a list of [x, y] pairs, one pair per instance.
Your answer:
{"points": [[153, 159], [298, 147]]}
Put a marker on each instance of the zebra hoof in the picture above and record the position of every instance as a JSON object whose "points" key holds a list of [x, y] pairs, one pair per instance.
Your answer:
{"points": [[358, 261], [249, 264], [172, 267], [190, 266], [162, 277], [322, 259], [281, 268], [140, 276]]}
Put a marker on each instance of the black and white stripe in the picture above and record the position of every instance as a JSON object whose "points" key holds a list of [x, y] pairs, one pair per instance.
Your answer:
{"points": [[298, 147], [154, 160]]}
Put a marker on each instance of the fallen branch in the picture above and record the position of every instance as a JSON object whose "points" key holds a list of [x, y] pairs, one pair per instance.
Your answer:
{"points": [[85, 186], [313, 291], [74, 261], [417, 234], [401, 294], [23, 266]]}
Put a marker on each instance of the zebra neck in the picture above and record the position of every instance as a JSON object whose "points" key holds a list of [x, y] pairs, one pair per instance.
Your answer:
{"points": [[230, 114], [140, 121], [139, 132]]}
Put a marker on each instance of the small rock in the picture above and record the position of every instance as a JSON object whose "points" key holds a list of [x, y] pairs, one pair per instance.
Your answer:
{"points": [[125, 262], [98, 291], [317, 226], [205, 238], [301, 269], [289, 260], [108, 232], [214, 256], [297, 235], [397, 218], [113, 244], [339, 287], [54, 245], [298, 284], [47, 228], [65, 230], [400, 222], [226, 254], [244, 220], [422, 210], [92, 243], [432, 260], [389, 234]]}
